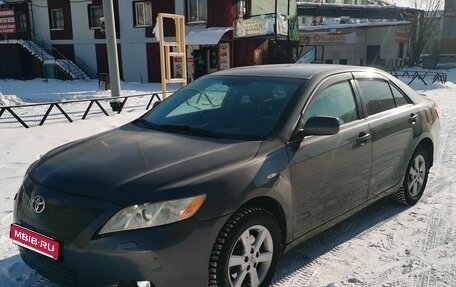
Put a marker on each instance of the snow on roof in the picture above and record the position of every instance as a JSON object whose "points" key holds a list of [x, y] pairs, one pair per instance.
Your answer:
{"points": [[359, 6], [206, 36], [358, 25]]}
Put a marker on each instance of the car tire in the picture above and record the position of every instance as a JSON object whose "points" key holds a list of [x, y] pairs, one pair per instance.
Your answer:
{"points": [[249, 245], [415, 180]]}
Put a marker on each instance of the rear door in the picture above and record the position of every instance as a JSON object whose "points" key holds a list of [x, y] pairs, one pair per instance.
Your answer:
{"points": [[330, 174], [394, 126]]}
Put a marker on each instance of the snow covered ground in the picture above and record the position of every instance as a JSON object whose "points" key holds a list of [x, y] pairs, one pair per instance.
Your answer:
{"points": [[383, 245]]}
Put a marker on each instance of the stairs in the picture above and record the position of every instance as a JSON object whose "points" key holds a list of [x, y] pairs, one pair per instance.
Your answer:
{"points": [[67, 66], [282, 52], [308, 57]]}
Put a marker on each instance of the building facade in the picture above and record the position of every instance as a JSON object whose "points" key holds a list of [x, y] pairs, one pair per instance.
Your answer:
{"points": [[382, 44], [448, 38], [353, 33], [220, 34]]}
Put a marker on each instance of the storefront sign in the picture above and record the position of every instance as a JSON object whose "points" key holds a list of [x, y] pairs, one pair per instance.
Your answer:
{"points": [[7, 23], [325, 38], [402, 37], [260, 26], [177, 67], [224, 56]]}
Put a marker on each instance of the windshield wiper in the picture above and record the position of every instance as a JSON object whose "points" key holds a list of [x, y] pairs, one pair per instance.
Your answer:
{"points": [[144, 123], [190, 130]]}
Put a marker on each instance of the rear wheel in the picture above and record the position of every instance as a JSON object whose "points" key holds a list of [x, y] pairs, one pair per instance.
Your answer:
{"points": [[415, 178], [247, 250]]}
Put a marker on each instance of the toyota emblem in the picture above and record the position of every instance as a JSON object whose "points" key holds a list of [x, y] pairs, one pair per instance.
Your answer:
{"points": [[38, 204]]}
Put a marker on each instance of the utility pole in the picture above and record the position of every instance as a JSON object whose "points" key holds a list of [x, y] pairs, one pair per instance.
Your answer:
{"points": [[111, 45], [275, 31]]}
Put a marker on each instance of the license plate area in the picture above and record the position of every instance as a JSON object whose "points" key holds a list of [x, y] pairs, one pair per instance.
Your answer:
{"points": [[34, 241]]}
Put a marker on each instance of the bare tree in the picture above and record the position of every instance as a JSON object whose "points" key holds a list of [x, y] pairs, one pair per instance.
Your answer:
{"points": [[427, 21]]}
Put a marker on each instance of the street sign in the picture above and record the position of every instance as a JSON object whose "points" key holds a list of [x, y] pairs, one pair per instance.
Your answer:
{"points": [[7, 22]]}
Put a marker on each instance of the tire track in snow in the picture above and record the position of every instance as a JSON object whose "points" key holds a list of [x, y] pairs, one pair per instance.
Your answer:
{"points": [[440, 231], [439, 238], [302, 266]]}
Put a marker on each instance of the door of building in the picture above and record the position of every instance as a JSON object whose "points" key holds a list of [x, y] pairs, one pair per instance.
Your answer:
{"points": [[373, 55]]}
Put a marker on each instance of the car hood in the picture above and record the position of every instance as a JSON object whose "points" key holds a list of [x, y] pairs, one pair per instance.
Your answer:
{"points": [[133, 160]]}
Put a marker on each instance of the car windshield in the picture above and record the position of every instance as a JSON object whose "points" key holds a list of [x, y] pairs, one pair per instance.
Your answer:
{"points": [[231, 107]]}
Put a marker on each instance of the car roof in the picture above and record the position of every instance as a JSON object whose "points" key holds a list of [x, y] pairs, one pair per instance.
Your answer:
{"points": [[303, 71]]}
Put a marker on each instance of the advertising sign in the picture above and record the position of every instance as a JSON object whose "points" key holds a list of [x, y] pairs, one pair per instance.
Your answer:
{"points": [[261, 7], [325, 38], [402, 37], [224, 56], [260, 26], [7, 22]]}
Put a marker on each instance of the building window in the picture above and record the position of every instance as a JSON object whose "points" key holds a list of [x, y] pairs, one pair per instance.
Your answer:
{"points": [[241, 8], [143, 14], [197, 10], [21, 21], [95, 15], [57, 21]]}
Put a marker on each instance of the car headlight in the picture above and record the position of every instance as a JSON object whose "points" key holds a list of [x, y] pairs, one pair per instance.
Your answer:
{"points": [[153, 214]]}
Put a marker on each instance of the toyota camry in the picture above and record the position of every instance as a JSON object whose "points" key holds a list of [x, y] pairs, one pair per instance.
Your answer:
{"points": [[213, 184]]}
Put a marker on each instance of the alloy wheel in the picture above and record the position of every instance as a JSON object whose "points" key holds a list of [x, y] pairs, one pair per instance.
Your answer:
{"points": [[251, 257], [417, 175]]}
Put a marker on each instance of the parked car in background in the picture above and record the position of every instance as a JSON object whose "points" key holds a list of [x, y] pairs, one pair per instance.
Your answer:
{"points": [[214, 183]]}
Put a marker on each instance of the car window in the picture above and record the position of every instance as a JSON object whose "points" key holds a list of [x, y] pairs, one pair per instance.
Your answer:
{"points": [[336, 101], [376, 95], [234, 107], [399, 98], [207, 99]]}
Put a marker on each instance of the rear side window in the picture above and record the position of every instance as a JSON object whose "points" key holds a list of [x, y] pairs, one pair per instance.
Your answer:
{"points": [[376, 95], [336, 101], [398, 97]]}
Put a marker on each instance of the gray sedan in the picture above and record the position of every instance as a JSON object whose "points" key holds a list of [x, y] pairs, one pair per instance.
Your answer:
{"points": [[215, 182]]}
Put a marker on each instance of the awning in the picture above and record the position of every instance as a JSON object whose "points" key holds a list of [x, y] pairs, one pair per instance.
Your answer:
{"points": [[206, 36]]}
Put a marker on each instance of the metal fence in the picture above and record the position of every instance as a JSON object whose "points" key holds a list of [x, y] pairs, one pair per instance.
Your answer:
{"points": [[423, 76], [114, 102]]}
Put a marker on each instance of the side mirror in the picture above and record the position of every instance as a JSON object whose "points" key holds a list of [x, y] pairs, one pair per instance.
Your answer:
{"points": [[319, 126]]}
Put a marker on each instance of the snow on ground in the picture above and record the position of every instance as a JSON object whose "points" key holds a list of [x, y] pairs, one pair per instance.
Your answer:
{"points": [[46, 90], [383, 245]]}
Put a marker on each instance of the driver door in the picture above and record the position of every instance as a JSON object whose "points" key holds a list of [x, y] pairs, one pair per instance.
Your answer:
{"points": [[330, 174]]}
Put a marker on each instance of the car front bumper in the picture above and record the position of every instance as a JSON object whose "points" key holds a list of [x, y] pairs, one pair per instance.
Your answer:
{"points": [[168, 255], [171, 255]]}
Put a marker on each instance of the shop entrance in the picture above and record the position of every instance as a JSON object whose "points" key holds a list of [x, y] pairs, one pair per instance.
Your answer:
{"points": [[205, 60]]}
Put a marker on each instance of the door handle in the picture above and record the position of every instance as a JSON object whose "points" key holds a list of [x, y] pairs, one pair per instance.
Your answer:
{"points": [[413, 118], [363, 138]]}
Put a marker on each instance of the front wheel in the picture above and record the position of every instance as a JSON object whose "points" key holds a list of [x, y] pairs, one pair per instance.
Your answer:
{"points": [[247, 250], [415, 178]]}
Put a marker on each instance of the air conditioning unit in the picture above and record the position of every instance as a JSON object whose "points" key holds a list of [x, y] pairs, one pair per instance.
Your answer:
{"points": [[102, 24]]}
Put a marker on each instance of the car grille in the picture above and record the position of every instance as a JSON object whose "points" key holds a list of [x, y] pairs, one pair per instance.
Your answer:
{"points": [[64, 216], [49, 268]]}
